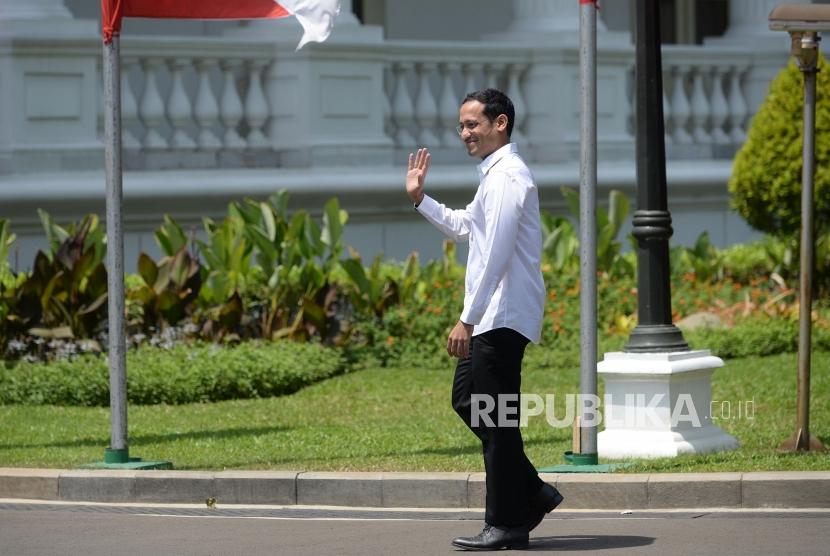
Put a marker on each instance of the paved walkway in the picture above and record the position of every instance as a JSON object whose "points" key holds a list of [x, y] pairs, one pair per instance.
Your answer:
{"points": [[49, 528]]}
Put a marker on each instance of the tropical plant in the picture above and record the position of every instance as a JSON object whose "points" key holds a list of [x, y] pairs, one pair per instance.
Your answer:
{"points": [[65, 294], [169, 287], [9, 289], [561, 243], [703, 259]]}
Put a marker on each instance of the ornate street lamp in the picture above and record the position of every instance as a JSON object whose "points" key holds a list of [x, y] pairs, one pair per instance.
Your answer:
{"points": [[803, 22], [652, 219]]}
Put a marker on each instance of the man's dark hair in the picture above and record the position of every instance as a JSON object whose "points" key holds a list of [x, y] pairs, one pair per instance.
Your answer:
{"points": [[495, 103]]}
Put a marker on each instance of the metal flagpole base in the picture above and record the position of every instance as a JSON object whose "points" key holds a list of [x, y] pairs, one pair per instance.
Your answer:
{"points": [[799, 443], [582, 463], [120, 459]]}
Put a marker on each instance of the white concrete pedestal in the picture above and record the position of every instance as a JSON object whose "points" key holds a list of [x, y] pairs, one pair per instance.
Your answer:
{"points": [[658, 405]]}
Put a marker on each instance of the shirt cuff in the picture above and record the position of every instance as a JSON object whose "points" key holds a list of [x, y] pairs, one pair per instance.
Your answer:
{"points": [[427, 205]]}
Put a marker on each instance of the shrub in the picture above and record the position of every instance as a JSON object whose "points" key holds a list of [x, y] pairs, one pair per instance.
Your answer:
{"points": [[766, 176], [184, 374], [758, 336]]}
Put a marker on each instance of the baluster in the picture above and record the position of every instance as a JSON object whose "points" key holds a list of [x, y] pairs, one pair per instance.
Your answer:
{"points": [[700, 108], [737, 108], [720, 110], [448, 106], [514, 72], [206, 108], [129, 107], [667, 138], [631, 91], [680, 109], [179, 110], [469, 71], [230, 105], [402, 107], [426, 109], [491, 75], [151, 108], [99, 100], [388, 123], [256, 105]]}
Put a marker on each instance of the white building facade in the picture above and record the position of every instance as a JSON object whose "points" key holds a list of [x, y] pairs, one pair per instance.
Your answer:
{"points": [[217, 111]]}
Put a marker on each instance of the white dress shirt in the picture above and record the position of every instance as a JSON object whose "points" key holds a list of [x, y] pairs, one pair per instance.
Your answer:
{"points": [[503, 284]]}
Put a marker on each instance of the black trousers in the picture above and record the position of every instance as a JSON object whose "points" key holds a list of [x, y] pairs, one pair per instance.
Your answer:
{"points": [[494, 368]]}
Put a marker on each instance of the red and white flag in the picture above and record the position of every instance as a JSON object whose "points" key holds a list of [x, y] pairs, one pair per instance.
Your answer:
{"points": [[316, 16]]}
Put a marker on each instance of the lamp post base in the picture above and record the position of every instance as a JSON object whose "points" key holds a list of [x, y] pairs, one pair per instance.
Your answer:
{"points": [[659, 405], [800, 443], [656, 338]]}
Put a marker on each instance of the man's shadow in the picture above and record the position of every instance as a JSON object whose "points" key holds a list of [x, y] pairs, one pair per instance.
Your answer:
{"points": [[587, 542]]}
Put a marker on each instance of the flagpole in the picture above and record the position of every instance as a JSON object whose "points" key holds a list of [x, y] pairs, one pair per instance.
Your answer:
{"points": [[118, 451], [588, 225]]}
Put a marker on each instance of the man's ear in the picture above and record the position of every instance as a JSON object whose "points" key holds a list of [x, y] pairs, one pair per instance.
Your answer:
{"points": [[501, 122]]}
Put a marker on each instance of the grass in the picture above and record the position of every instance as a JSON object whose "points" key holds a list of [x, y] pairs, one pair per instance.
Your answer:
{"points": [[398, 420]]}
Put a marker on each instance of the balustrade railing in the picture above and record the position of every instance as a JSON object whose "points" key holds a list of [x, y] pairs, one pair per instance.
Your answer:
{"points": [[201, 96], [426, 81], [704, 100], [192, 97]]}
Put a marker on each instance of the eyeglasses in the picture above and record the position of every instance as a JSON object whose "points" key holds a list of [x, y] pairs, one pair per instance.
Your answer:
{"points": [[469, 126]]}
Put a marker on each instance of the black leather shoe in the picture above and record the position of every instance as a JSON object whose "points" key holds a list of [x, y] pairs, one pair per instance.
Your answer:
{"points": [[494, 538], [543, 502]]}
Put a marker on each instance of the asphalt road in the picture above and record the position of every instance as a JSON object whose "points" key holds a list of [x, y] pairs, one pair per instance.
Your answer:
{"points": [[92, 530]]}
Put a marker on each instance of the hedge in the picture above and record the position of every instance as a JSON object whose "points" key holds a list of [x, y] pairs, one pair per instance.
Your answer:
{"points": [[183, 374]]}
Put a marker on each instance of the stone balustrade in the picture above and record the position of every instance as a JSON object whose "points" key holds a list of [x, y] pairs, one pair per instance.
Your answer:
{"points": [[704, 103], [191, 104], [235, 102], [426, 82]]}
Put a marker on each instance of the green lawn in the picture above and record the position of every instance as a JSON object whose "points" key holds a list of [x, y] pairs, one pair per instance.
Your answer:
{"points": [[396, 420]]}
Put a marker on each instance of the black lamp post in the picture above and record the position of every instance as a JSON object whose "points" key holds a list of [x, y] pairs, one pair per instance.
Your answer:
{"points": [[652, 219]]}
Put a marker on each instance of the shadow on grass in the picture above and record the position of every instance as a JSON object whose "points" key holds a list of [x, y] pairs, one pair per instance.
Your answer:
{"points": [[450, 451], [575, 543], [456, 450], [141, 439]]}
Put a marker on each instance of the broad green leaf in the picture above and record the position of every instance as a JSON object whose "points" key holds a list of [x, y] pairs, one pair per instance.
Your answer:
{"points": [[354, 268], [147, 269], [269, 221]]}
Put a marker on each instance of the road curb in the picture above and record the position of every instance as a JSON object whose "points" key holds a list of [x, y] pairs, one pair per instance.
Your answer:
{"points": [[785, 489]]}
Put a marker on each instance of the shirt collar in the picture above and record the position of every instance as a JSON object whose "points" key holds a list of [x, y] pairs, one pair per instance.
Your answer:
{"points": [[494, 158]]}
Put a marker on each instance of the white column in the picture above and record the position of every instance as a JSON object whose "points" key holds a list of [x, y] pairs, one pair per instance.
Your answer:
{"points": [[547, 16], [748, 20], [658, 405]]}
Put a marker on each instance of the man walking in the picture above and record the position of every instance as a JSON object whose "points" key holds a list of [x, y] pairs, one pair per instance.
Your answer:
{"points": [[503, 304]]}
